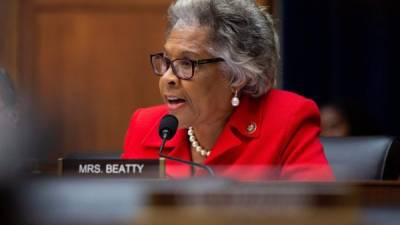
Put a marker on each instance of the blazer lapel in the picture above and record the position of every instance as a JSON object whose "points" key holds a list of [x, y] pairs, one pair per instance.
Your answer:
{"points": [[225, 142], [244, 123]]}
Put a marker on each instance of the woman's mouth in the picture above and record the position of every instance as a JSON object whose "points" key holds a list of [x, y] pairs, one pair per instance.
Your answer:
{"points": [[174, 102]]}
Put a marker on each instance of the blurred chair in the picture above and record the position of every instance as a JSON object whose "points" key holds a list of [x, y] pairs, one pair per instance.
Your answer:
{"points": [[363, 158]]}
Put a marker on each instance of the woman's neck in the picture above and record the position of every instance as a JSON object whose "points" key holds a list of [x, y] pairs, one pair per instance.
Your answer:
{"points": [[208, 133]]}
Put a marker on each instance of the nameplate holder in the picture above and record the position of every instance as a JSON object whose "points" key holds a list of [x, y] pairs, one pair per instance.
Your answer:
{"points": [[138, 168]]}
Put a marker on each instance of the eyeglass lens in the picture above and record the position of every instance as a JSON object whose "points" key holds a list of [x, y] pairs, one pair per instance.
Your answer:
{"points": [[181, 67]]}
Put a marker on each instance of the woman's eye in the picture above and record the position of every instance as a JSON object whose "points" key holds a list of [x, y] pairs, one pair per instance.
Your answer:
{"points": [[185, 63]]}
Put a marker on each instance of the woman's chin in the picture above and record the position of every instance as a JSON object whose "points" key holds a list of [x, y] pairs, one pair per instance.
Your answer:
{"points": [[182, 119]]}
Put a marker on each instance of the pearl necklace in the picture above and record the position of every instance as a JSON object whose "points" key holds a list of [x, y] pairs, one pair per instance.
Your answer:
{"points": [[202, 151]]}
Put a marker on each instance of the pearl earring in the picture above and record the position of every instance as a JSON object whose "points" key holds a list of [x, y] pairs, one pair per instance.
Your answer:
{"points": [[235, 100]]}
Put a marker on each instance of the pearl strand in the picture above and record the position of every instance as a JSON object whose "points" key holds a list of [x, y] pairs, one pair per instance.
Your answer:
{"points": [[202, 151]]}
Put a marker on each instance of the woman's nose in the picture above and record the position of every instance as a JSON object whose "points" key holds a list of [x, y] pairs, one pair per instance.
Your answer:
{"points": [[169, 78]]}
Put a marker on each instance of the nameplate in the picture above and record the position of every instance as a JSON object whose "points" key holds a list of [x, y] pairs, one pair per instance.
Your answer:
{"points": [[145, 168]]}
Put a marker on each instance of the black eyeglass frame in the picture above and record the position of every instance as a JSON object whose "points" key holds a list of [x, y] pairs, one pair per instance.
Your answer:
{"points": [[170, 63]]}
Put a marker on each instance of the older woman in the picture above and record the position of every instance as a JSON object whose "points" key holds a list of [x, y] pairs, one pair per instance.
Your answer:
{"points": [[217, 71]]}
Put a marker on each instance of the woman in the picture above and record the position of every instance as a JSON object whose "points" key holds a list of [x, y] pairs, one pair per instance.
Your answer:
{"points": [[217, 71]]}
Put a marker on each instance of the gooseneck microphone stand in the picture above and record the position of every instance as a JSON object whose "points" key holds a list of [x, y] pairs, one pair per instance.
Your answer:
{"points": [[167, 130]]}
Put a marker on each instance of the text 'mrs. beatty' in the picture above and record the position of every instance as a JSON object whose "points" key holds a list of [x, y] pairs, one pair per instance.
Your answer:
{"points": [[111, 167]]}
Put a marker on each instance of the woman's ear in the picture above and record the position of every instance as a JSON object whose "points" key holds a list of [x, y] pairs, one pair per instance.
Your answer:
{"points": [[238, 87]]}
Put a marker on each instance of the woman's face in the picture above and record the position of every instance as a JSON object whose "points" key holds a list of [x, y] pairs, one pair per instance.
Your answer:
{"points": [[204, 99]]}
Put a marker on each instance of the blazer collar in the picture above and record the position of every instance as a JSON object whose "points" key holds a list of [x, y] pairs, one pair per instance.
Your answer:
{"points": [[245, 122], [247, 118]]}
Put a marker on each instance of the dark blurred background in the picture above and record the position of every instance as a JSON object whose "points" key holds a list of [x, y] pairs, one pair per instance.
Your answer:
{"points": [[345, 52]]}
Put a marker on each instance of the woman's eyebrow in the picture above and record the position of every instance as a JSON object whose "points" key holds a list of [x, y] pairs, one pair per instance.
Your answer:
{"points": [[183, 54], [189, 54]]}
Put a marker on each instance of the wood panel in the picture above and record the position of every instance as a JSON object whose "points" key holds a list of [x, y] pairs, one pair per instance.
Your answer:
{"points": [[268, 3], [8, 40], [86, 65], [3, 19]]}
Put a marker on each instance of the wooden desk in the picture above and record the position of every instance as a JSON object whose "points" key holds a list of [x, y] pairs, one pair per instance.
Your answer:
{"points": [[127, 201]]}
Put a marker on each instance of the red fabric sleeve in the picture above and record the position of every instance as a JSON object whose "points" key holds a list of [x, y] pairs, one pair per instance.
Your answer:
{"points": [[304, 158]]}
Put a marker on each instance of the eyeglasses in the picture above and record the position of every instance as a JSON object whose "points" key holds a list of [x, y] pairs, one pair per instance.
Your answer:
{"points": [[182, 68]]}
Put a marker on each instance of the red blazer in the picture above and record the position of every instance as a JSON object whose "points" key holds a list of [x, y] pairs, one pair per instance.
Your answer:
{"points": [[271, 137]]}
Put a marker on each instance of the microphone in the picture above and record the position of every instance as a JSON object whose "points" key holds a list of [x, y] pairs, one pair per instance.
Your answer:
{"points": [[168, 126], [167, 130]]}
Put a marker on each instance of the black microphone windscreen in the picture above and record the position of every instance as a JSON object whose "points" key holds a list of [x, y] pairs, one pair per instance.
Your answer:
{"points": [[168, 126]]}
